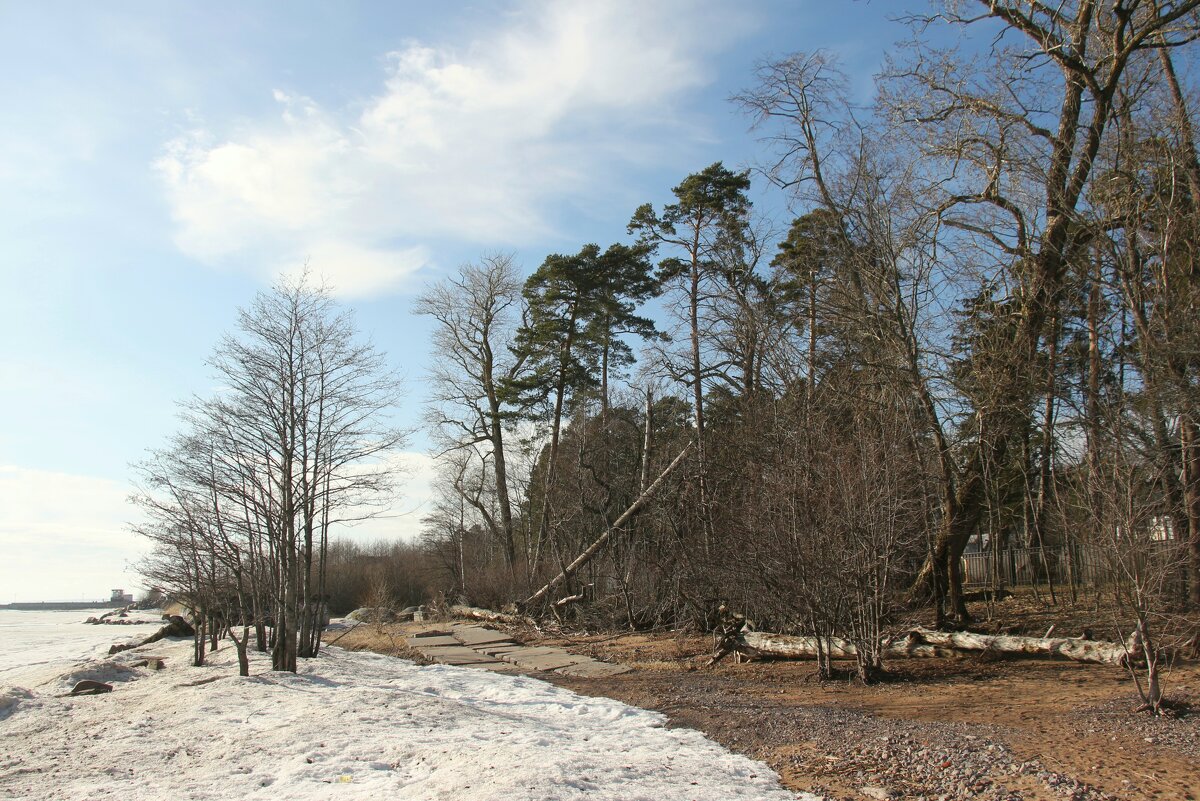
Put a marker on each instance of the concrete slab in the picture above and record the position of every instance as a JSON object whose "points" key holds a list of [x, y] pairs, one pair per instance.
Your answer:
{"points": [[545, 661], [430, 642], [496, 649], [536, 650], [495, 667], [455, 661], [593, 670], [478, 635], [457, 655]]}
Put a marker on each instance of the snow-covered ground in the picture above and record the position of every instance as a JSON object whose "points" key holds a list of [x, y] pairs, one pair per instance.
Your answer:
{"points": [[348, 726]]}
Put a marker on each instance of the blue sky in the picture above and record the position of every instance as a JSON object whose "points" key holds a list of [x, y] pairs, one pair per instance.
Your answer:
{"points": [[162, 162]]}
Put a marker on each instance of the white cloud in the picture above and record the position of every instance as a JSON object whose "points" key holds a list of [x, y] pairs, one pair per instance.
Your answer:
{"points": [[476, 144], [416, 473], [357, 271], [64, 536]]}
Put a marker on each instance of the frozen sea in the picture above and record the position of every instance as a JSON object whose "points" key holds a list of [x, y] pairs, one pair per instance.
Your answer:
{"points": [[38, 645]]}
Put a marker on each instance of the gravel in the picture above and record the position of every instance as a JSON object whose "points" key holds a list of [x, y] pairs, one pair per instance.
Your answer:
{"points": [[906, 760], [854, 756], [1178, 730]]}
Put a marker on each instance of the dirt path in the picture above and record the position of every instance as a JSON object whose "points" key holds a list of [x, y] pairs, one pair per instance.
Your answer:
{"points": [[943, 729]]}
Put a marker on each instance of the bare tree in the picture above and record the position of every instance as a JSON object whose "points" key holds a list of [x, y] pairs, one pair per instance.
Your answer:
{"points": [[476, 313], [862, 265], [294, 443]]}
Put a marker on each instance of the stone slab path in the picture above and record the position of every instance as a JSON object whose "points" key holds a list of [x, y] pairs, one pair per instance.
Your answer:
{"points": [[472, 645]]}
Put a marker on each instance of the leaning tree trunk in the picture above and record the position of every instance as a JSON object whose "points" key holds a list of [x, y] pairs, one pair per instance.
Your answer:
{"points": [[600, 541]]}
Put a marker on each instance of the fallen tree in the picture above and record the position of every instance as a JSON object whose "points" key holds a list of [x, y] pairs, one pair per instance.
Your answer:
{"points": [[762, 643], [175, 627], [1073, 648], [924, 643]]}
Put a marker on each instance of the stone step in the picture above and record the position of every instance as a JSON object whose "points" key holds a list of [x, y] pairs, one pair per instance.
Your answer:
{"points": [[457, 655], [472, 645], [417, 641], [478, 635], [498, 649]]}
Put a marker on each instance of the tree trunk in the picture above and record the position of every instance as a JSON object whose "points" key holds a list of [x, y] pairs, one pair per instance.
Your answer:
{"points": [[698, 394], [1190, 440], [500, 463], [925, 643]]}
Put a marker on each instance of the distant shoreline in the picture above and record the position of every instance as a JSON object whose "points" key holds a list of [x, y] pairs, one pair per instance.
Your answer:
{"points": [[55, 606]]}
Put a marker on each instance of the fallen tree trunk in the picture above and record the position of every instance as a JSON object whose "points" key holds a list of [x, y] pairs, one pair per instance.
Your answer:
{"points": [[1078, 650], [923, 643], [595, 547], [762, 643]]}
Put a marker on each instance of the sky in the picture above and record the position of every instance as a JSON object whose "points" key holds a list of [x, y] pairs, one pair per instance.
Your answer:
{"points": [[160, 163]]}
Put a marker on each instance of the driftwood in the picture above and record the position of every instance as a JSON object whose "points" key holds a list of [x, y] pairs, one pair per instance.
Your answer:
{"points": [[1079, 650], [176, 627], [595, 547], [151, 662], [762, 643], [924, 643]]}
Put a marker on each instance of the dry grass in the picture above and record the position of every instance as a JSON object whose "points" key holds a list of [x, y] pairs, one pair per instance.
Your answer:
{"points": [[386, 639]]}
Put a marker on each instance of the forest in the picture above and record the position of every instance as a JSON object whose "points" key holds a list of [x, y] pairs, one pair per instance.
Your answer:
{"points": [[975, 345]]}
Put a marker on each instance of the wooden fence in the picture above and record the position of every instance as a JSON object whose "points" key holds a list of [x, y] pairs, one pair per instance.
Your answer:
{"points": [[1076, 564]]}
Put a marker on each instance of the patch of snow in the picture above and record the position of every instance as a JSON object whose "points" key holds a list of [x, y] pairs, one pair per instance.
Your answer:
{"points": [[11, 698], [106, 671], [355, 726]]}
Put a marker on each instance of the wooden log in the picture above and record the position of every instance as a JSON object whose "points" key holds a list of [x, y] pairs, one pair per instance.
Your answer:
{"points": [[762, 643], [924, 643], [1078, 650]]}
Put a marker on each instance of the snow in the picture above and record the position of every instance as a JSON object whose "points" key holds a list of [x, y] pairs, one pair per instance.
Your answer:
{"points": [[348, 726], [35, 644]]}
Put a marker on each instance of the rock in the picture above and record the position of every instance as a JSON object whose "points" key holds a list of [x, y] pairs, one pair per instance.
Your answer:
{"points": [[153, 663], [89, 687], [877, 793], [372, 614]]}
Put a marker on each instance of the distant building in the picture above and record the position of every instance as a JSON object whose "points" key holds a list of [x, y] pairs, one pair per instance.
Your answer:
{"points": [[121, 597]]}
